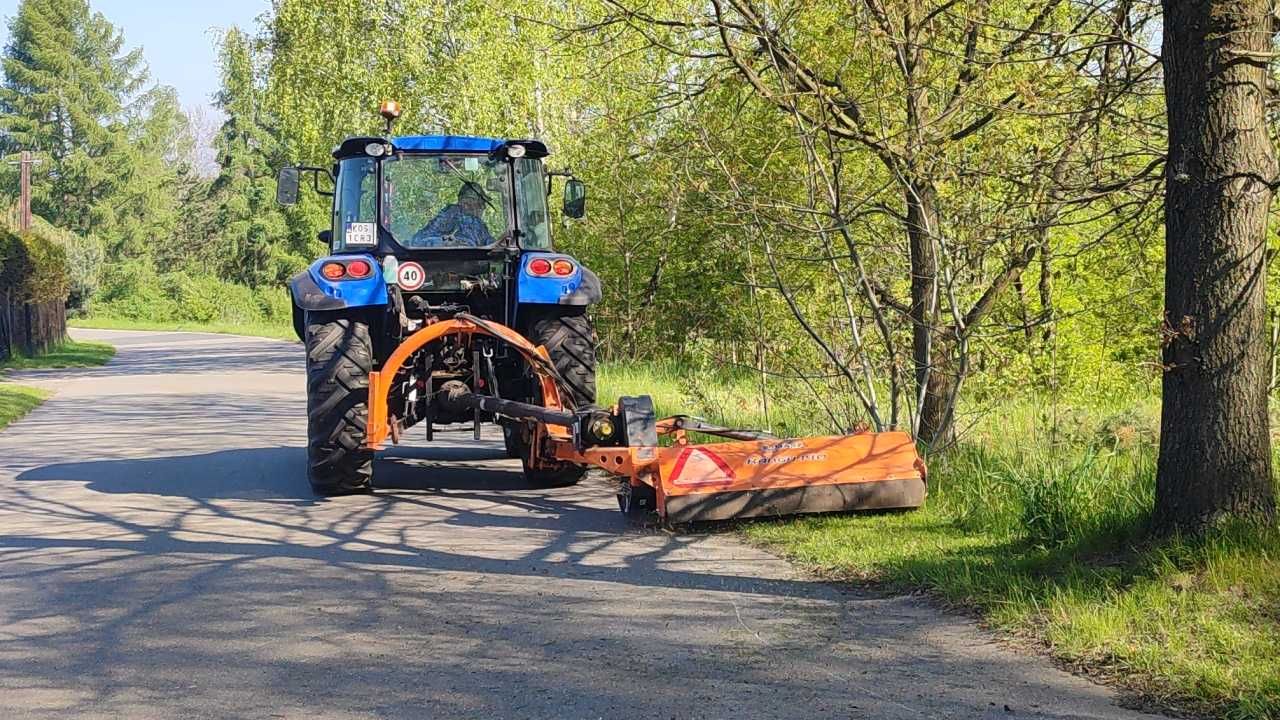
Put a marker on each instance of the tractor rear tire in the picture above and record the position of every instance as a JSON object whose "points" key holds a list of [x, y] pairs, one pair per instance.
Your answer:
{"points": [[552, 475], [339, 358], [570, 340]]}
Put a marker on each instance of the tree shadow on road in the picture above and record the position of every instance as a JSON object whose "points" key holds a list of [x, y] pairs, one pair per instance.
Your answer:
{"points": [[260, 503], [280, 473], [237, 573]]}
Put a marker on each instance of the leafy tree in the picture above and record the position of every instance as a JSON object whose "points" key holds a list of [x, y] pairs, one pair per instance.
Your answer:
{"points": [[67, 85], [969, 130], [149, 204], [250, 227]]}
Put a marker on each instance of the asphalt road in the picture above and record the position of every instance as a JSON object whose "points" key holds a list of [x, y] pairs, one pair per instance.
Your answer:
{"points": [[161, 556]]}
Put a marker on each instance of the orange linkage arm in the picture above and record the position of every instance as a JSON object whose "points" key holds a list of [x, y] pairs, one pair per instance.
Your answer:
{"points": [[380, 381]]}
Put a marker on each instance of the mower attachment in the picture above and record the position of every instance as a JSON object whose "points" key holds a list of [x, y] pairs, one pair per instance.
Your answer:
{"points": [[722, 481], [752, 475], [755, 475]]}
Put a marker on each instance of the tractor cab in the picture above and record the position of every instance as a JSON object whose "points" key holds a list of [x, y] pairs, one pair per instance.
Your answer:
{"points": [[427, 231], [408, 196], [441, 220]]}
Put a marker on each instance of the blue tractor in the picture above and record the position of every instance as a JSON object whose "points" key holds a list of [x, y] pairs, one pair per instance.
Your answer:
{"points": [[443, 301], [448, 232]]}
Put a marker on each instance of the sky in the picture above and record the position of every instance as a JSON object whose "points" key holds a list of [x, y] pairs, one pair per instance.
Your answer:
{"points": [[176, 36]]}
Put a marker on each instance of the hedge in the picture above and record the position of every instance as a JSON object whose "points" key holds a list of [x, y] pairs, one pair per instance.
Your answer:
{"points": [[34, 283]]}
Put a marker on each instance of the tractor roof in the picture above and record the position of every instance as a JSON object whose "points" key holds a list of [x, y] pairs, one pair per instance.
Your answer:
{"points": [[445, 143], [438, 144]]}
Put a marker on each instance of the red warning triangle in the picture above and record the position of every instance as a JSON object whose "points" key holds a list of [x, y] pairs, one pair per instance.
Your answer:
{"points": [[696, 466]]}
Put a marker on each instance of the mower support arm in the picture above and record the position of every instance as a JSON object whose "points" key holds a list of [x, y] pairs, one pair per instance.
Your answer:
{"points": [[688, 423]]}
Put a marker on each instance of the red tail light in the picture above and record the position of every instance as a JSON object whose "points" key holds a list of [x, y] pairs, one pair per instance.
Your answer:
{"points": [[333, 271], [539, 266], [358, 269], [562, 268]]}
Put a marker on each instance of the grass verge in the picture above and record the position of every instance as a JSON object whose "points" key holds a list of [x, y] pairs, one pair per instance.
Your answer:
{"points": [[1190, 625], [1037, 522], [17, 400], [69, 354], [279, 332]]}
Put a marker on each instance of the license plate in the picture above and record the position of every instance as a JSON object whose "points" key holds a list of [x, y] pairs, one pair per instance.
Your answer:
{"points": [[361, 235]]}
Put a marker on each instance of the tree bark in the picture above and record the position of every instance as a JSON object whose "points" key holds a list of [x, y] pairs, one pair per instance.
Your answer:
{"points": [[937, 424], [930, 358], [1215, 448]]}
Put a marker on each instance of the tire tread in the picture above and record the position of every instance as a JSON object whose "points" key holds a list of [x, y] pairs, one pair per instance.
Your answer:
{"points": [[339, 358]]}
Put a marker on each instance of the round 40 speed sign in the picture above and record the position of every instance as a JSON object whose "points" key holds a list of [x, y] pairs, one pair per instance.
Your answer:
{"points": [[409, 276]]}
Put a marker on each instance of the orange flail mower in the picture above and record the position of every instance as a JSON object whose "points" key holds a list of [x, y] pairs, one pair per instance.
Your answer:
{"points": [[751, 474]]}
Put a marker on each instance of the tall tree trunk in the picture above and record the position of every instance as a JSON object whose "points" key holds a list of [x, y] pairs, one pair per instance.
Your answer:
{"points": [[929, 354], [937, 425], [1215, 449]]}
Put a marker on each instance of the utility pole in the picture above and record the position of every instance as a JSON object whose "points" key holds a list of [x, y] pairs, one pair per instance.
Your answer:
{"points": [[24, 194], [24, 189]]}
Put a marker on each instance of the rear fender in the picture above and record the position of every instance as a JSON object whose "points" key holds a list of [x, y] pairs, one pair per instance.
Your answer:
{"points": [[581, 288], [312, 291]]}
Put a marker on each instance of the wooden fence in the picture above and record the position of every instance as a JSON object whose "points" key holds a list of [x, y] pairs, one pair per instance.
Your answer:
{"points": [[31, 328]]}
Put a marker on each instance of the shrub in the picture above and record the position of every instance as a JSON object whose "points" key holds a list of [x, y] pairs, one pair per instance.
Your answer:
{"points": [[275, 305], [33, 268], [210, 300], [133, 290]]}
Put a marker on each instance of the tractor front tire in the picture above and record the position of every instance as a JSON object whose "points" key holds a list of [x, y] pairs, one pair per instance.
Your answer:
{"points": [[339, 358]]}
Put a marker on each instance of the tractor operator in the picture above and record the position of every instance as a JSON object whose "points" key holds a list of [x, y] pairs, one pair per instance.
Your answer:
{"points": [[458, 224]]}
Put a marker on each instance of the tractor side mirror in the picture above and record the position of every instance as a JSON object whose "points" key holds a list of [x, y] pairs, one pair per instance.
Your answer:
{"points": [[575, 198], [287, 186], [326, 237]]}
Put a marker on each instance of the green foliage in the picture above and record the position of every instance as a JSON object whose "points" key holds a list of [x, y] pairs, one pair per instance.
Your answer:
{"points": [[705, 203], [33, 268], [134, 290], [250, 227], [75, 98], [83, 256]]}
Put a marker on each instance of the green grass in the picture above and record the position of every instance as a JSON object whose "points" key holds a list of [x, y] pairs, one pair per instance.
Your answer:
{"points": [[280, 332], [69, 354], [718, 396], [17, 400], [1037, 521]]}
